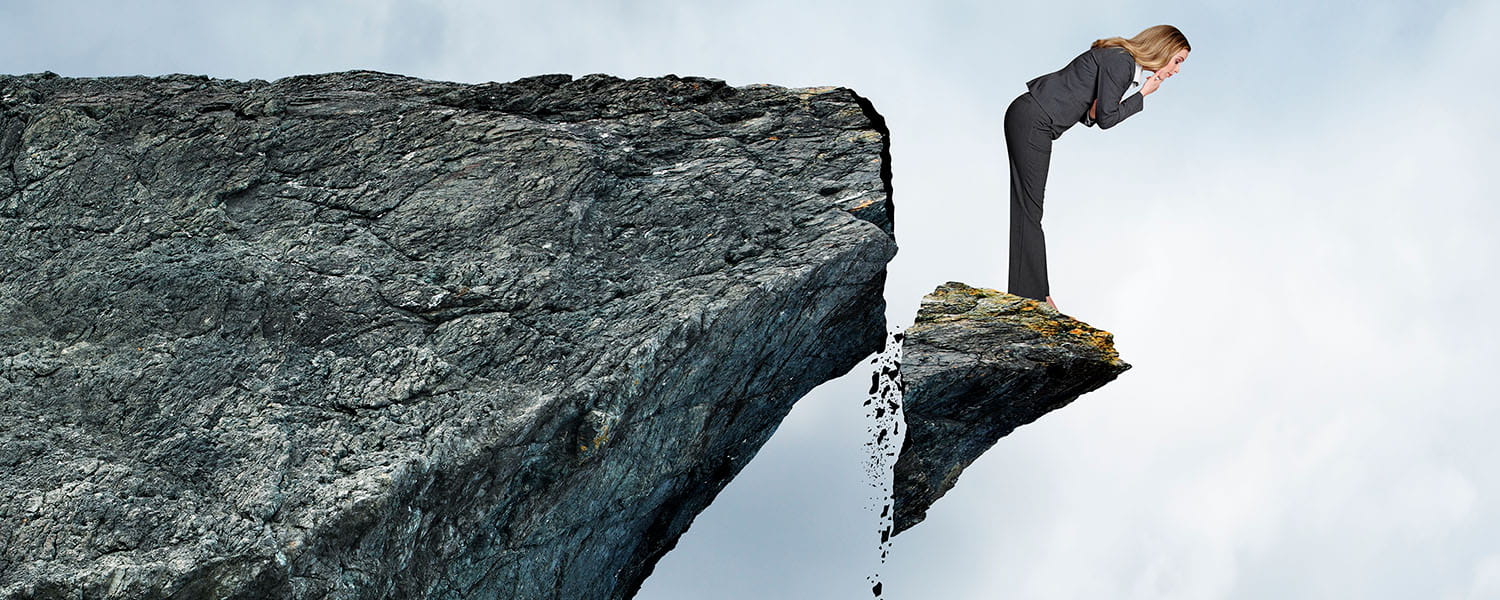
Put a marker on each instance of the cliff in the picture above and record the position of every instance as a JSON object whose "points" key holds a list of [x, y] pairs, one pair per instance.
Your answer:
{"points": [[359, 335], [976, 364]]}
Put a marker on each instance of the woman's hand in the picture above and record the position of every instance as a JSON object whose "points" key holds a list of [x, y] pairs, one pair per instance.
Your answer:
{"points": [[1152, 82]]}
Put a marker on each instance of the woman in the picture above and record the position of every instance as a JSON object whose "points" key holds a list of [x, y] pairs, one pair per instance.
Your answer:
{"points": [[1096, 87]]}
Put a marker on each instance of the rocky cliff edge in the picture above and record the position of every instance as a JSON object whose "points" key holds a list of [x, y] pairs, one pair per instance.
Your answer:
{"points": [[978, 363], [359, 335]]}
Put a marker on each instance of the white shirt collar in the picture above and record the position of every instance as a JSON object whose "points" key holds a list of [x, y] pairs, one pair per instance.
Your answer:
{"points": [[1134, 83]]}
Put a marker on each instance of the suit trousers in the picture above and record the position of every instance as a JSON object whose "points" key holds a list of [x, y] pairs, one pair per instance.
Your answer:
{"points": [[1028, 143]]}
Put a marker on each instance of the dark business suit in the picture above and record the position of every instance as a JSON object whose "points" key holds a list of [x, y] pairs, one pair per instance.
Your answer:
{"points": [[1051, 104]]}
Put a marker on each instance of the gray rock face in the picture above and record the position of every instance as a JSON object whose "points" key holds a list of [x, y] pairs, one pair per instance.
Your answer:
{"points": [[978, 363], [358, 335]]}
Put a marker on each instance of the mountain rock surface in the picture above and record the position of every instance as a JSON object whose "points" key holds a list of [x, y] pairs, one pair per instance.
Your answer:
{"points": [[359, 335], [976, 364]]}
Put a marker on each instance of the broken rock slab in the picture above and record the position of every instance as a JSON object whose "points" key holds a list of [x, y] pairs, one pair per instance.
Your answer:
{"points": [[979, 363]]}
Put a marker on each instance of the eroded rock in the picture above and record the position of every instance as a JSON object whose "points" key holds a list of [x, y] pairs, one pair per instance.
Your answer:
{"points": [[977, 363], [359, 335]]}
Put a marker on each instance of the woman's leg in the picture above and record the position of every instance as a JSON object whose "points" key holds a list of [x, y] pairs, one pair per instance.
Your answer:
{"points": [[1030, 150]]}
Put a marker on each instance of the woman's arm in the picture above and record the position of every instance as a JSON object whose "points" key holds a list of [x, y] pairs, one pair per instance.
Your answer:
{"points": [[1152, 83], [1111, 80]]}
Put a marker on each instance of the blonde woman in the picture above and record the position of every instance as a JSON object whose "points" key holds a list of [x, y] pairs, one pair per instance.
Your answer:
{"points": [[1098, 86]]}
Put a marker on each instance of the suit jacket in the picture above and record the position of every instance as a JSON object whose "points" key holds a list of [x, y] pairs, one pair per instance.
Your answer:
{"points": [[1104, 73]]}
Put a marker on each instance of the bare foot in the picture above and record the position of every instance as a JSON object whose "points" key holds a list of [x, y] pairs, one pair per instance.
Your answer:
{"points": [[1054, 304]]}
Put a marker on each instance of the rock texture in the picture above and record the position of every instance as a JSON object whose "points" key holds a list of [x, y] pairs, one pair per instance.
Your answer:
{"points": [[359, 335], [977, 364]]}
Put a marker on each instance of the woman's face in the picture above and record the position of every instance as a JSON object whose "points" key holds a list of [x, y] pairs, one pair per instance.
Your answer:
{"points": [[1173, 65]]}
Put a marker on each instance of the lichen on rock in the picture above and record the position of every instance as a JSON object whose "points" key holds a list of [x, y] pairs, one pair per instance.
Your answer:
{"points": [[977, 364]]}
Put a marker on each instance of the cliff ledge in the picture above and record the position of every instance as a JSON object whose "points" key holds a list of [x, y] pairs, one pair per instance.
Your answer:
{"points": [[359, 335], [978, 363]]}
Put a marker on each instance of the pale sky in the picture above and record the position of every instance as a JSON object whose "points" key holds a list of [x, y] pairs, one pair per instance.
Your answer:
{"points": [[1293, 245]]}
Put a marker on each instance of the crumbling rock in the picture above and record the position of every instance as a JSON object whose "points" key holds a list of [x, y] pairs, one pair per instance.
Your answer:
{"points": [[978, 363]]}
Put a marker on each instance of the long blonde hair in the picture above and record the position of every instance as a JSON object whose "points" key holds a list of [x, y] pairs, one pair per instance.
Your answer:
{"points": [[1152, 47]]}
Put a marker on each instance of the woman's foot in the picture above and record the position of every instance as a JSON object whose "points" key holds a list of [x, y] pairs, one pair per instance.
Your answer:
{"points": [[1054, 304]]}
